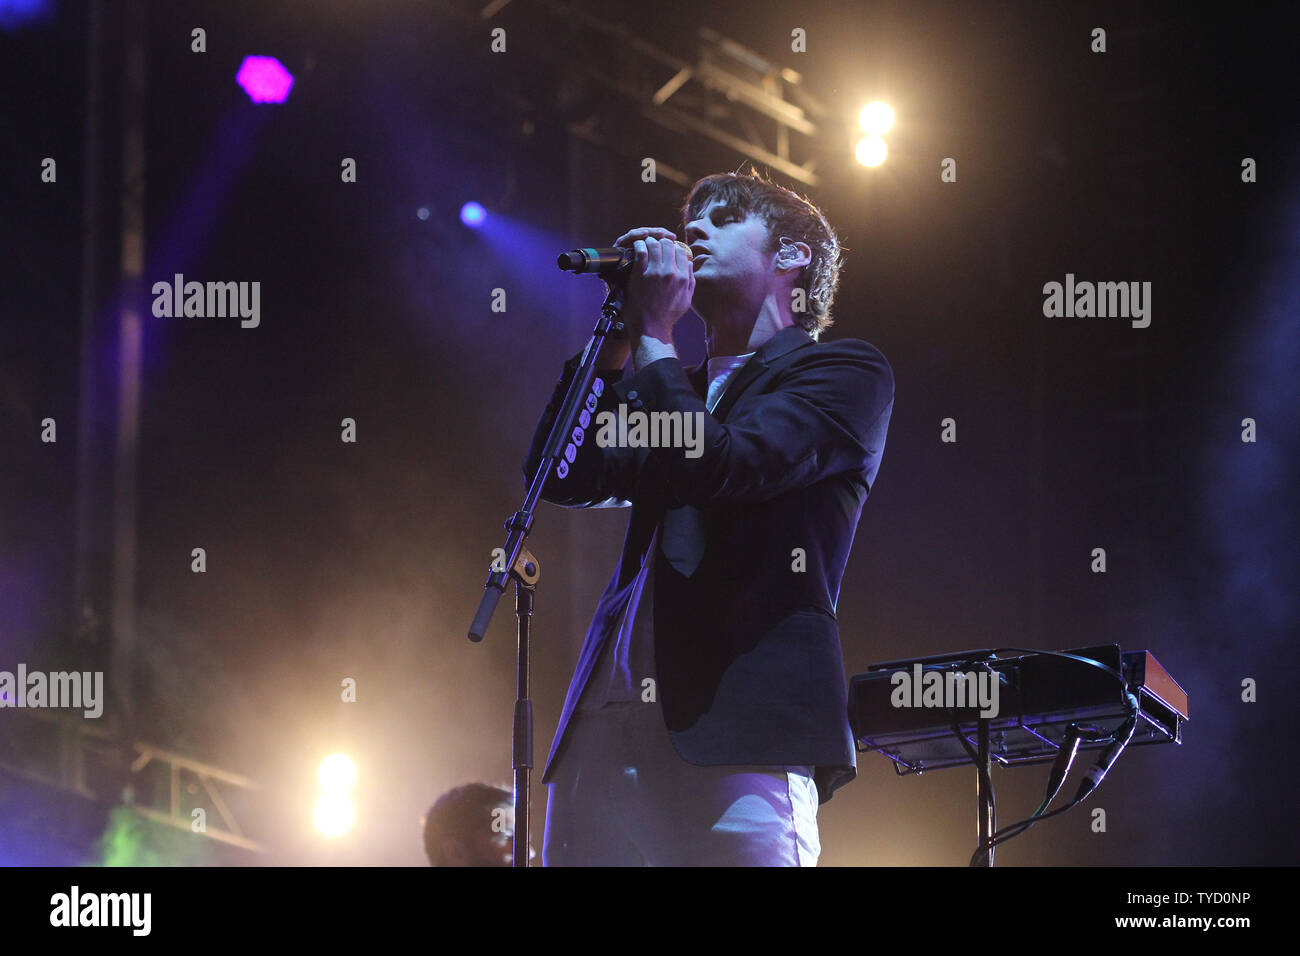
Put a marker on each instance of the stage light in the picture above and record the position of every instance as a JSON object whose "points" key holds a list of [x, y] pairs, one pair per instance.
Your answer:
{"points": [[15, 14], [876, 118], [333, 815], [264, 79], [472, 214], [337, 774], [871, 151]]}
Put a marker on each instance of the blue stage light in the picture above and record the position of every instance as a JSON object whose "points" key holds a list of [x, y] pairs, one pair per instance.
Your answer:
{"points": [[15, 14], [472, 214]]}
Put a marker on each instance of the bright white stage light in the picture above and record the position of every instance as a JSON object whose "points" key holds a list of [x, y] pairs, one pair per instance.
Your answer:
{"points": [[871, 151], [337, 773], [876, 118], [334, 815]]}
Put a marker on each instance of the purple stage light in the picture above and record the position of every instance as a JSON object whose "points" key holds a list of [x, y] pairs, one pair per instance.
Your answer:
{"points": [[264, 79], [472, 214]]}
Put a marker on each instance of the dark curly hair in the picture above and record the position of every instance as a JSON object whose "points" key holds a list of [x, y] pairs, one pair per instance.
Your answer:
{"points": [[457, 814], [786, 214]]}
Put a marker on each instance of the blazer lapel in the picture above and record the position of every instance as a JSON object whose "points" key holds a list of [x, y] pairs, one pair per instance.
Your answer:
{"points": [[699, 378], [685, 529], [787, 340]]}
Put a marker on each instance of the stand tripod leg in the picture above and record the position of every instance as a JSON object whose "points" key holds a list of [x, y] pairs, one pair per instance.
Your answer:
{"points": [[982, 790], [523, 730]]}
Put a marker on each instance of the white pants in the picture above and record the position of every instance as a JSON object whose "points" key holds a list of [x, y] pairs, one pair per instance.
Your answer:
{"points": [[622, 796]]}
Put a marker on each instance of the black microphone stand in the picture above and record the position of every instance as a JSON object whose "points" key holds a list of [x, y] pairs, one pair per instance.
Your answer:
{"points": [[518, 562]]}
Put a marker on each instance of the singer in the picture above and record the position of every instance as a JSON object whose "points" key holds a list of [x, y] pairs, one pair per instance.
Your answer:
{"points": [[706, 718]]}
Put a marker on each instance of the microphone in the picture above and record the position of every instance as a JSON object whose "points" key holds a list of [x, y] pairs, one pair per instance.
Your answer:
{"points": [[1065, 755], [604, 262], [1097, 772]]}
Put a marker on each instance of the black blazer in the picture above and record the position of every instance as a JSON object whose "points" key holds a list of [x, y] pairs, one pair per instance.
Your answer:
{"points": [[756, 533]]}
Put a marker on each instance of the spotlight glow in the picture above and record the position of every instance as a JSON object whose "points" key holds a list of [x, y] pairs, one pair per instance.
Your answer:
{"points": [[337, 774], [876, 118], [871, 151], [15, 14], [472, 214], [264, 79], [334, 815]]}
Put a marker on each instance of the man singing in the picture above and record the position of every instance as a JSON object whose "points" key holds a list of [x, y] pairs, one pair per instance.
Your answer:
{"points": [[707, 716]]}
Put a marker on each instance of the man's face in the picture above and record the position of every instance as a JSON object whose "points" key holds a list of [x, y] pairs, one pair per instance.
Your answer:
{"points": [[732, 257]]}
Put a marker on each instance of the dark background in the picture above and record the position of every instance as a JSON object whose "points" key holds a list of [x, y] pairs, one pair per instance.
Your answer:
{"points": [[329, 560]]}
